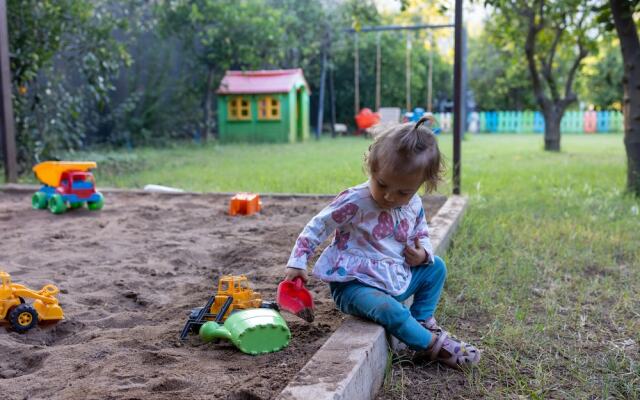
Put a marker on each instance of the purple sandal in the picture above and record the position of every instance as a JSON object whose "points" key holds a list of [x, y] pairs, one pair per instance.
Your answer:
{"points": [[460, 354]]}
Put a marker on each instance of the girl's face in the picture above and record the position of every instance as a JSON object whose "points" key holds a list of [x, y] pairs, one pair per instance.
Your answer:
{"points": [[390, 189]]}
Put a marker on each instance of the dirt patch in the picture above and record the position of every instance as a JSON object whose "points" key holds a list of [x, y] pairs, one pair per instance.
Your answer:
{"points": [[129, 275]]}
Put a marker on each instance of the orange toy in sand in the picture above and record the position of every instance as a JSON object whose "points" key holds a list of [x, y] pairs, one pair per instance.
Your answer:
{"points": [[245, 204]]}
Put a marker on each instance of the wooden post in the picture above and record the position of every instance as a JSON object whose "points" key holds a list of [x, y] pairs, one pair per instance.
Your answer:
{"points": [[7, 129]]}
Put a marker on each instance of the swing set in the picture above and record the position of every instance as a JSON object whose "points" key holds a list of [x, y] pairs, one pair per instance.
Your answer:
{"points": [[379, 30], [458, 81]]}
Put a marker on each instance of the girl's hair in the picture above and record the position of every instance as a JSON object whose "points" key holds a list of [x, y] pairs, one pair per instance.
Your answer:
{"points": [[407, 149]]}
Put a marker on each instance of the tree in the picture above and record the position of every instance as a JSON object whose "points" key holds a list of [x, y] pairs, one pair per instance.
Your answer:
{"points": [[600, 83], [63, 61], [496, 77], [224, 34], [618, 14], [556, 40]]}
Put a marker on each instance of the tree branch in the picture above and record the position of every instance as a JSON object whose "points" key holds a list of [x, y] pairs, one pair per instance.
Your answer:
{"points": [[582, 53], [547, 66]]}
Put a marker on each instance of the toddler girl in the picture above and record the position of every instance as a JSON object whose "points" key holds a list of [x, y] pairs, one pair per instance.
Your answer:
{"points": [[381, 254]]}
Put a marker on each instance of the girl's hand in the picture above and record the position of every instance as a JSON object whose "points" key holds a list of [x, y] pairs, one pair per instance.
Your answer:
{"points": [[291, 273], [415, 256]]}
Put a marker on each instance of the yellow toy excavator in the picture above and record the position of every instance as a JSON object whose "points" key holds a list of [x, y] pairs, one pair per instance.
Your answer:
{"points": [[234, 293], [23, 316]]}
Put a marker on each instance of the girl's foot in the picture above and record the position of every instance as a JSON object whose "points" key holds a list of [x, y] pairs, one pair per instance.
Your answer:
{"points": [[447, 349]]}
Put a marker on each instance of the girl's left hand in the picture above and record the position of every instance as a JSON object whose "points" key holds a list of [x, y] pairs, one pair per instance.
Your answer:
{"points": [[415, 256]]}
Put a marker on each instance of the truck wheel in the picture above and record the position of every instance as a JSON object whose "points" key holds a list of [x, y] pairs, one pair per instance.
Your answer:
{"points": [[73, 206], [56, 204], [39, 201], [96, 205], [23, 317]]}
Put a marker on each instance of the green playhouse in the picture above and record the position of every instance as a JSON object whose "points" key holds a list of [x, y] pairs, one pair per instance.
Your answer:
{"points": [[263, 106]]}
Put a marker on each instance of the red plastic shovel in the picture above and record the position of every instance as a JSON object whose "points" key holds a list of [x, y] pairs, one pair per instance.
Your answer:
{"points": [[295, 298]]}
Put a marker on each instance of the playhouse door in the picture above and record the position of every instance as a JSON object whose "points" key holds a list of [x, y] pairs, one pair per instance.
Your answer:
{"points": [[299, 116]]}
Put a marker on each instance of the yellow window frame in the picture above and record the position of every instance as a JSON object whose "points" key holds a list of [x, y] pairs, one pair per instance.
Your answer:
{"points": [[239, 108], [268, 108]]}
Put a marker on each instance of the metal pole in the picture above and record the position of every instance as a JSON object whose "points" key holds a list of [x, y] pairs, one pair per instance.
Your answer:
{"points": [[356, 75], [457, 97], [378, 62], [430, 77], [7, 129], [332, 98], [332, 93], [408, 72], [323, 75]]}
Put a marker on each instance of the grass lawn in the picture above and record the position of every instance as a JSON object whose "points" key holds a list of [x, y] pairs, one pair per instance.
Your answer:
{"points": [[545, 266]]}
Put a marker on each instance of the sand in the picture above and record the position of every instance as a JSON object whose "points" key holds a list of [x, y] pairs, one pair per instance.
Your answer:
{"points": [[129, 275]]}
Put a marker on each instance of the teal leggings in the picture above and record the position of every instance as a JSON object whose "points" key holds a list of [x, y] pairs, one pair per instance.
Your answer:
{"points": [[364, 301]]}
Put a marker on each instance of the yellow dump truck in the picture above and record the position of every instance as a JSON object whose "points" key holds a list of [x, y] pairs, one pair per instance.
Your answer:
{"points": [[66, 184]]}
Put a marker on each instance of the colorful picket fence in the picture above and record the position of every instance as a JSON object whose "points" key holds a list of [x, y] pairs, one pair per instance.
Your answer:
{"points": [[533, 122]]}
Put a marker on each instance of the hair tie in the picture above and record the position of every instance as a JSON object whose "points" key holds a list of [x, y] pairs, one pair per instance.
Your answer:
{"points": [[426, 119]]}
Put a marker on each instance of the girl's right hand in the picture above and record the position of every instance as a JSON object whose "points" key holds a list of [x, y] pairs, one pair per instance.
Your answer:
{"points": [[292, 273]]}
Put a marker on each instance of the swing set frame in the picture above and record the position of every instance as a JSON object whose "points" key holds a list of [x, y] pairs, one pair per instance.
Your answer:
{"points": [[458, 80]]}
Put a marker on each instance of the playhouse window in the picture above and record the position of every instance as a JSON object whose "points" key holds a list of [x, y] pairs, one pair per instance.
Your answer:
{"points": [[239, 108], [268, 108]]}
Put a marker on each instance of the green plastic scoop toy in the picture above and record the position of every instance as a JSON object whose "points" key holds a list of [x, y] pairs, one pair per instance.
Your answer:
{"points": [[253, 331]]}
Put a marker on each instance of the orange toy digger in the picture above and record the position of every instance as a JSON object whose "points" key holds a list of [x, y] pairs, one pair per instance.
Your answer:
{"points": [[234, 293], [23, 316]]}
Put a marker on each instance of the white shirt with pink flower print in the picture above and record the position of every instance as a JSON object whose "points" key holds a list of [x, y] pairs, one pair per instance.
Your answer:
{"points": [[369, 241]]}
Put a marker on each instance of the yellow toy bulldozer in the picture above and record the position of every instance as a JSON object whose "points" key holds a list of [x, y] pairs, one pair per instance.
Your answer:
{"points": [[23, 316], [234, 293]]}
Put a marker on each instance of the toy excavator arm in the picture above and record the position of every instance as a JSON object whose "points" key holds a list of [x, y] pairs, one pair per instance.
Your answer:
{"points": [[46, 294]]}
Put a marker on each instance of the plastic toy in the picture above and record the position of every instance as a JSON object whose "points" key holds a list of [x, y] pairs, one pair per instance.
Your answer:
{"points": [[255, 331], [294, 297], [245, 204], [233, 293], [21, 315], [66, 184], [366, 119]]}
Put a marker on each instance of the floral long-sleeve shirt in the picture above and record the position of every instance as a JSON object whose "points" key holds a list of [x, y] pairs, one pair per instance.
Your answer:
{"points": [[369, 241]]}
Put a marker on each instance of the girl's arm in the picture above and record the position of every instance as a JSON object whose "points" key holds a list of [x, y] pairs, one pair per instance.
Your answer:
{"points": [[341, 210]]}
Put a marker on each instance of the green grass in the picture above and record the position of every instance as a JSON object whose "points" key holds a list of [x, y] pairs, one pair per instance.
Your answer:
{"points": [[544, 272]]}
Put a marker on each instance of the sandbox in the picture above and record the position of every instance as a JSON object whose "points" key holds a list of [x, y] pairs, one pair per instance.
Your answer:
{"points": [[130, 274]]}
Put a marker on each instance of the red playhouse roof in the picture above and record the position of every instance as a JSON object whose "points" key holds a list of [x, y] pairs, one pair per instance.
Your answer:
{"points": [[274, 81]]}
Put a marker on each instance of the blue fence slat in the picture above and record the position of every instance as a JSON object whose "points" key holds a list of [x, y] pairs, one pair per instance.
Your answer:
{"points": [[538, 122], [602, 121]]}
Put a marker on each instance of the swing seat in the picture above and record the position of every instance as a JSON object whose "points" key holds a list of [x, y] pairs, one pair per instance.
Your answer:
{"points": [[366, 119]]}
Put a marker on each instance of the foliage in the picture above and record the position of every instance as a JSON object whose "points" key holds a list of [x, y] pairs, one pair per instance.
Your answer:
{"points": [[600, 83], [224, 34], [63, 59], [498, 74]]}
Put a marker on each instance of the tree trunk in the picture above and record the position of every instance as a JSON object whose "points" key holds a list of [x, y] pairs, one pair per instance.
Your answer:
{"points": [[552, 130], [630, 46], [207, 104]]}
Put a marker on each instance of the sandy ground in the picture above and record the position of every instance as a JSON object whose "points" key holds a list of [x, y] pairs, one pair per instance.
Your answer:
{"points": [[129, 275]]}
